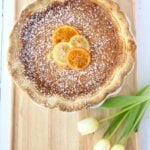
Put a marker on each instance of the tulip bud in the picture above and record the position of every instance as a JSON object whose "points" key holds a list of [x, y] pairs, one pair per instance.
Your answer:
{"points": [[103, 144], [118, 147], [88, 126]]}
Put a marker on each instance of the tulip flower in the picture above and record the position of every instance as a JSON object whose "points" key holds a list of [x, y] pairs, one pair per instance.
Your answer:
{"points": [[118, 147], [103, 144], [88, 126]]}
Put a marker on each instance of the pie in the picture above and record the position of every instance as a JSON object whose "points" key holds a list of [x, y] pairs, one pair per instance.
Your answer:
{"points": [[70, 54]]}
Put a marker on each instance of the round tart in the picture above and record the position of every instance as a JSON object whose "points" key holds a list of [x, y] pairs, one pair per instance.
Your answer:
{"points": [[100, 66]]}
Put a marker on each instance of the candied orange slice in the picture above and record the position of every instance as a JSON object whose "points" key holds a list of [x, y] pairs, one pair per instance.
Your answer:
{"points": [[78, 58], [63, 34]]}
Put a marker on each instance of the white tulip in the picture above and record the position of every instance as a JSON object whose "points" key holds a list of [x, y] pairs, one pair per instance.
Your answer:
{"points": [[118, 147], [103, 144], [88, 126]]}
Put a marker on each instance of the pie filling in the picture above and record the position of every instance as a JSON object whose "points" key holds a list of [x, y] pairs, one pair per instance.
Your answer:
{"points": [[91, 21]]}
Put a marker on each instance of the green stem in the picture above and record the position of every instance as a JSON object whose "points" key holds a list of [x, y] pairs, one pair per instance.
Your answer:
{"points": [[122, 111], [117, 127], [136, 123]]}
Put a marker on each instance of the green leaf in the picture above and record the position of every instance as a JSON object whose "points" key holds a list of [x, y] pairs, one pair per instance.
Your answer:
{"points": [[135, 115], [138, 119], [118, 125], [132, 109], [144, 91], [113, 124], [123, 101], [140, 109], [132, 116]]}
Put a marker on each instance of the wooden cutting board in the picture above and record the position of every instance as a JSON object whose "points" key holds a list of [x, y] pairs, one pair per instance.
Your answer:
{"points": [[37, 128]]}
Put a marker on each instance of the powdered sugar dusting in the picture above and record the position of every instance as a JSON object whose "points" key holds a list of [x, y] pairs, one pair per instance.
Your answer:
{"points": [[92, 22]]}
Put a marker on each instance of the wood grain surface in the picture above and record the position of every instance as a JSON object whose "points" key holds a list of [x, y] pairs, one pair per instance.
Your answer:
{"points": [[37, 128]]}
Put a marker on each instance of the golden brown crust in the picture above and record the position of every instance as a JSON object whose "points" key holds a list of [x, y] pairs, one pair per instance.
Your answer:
{"points": [[16, 68]]}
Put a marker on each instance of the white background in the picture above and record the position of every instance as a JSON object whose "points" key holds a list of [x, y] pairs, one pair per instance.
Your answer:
{"points": [[143, 67], [143, 60]]}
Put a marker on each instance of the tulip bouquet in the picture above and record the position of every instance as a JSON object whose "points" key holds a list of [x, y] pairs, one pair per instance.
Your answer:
{"points": [[128, 118]]}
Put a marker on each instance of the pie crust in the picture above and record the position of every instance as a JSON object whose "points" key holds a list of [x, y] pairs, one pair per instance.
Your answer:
{"points": [[16, 67]]}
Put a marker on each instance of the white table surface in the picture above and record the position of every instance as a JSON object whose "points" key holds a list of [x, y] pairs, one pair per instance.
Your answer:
{"points": [[143, 67]]}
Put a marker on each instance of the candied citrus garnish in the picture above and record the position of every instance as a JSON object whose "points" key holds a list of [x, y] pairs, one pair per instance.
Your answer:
{"points": [[79, 41], [59, 53], [78, 58], [63, 34]]}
